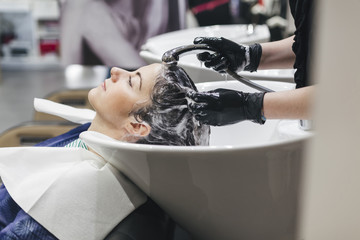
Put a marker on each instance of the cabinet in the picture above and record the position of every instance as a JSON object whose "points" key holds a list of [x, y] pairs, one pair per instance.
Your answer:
{"points": [[29, 31]]}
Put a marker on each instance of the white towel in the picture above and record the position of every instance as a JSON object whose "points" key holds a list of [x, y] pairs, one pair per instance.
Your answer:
{"points": [[76, 115]]}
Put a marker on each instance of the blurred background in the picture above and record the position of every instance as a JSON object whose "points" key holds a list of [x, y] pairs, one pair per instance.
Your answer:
{"points": [[47, 46]]}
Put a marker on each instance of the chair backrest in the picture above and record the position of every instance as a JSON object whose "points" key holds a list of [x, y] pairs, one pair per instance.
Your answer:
{"points": [[75, 98], [31, 133]]}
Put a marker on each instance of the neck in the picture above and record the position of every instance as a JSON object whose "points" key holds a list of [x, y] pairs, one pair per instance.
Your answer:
{"points": [[100, 125], [117, 132]]}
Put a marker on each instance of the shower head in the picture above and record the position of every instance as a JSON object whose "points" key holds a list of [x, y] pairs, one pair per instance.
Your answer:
{"points": [[171, 57]]}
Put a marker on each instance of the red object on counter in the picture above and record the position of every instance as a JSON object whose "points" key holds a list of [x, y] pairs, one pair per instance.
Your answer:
{"points": [[208, 6], [49, 46]]}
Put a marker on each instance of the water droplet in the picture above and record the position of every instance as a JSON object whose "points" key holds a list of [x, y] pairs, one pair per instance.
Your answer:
{"points": [[224, 75]]}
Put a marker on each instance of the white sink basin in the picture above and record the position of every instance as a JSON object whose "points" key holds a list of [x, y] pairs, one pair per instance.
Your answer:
{"points": [[155, 47], [243, 186], [236, 32]]}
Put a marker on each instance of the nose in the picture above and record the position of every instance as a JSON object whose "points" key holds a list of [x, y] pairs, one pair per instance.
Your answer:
{"points": [[116, 73]]}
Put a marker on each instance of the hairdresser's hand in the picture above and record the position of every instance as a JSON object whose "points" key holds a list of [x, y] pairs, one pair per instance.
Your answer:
{"points": [[230, 55], [223, 106]]}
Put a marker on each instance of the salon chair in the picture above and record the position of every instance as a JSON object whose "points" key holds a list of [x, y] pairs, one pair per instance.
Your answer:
{"points": [[72, 97], [33, 132], [154, 222]]}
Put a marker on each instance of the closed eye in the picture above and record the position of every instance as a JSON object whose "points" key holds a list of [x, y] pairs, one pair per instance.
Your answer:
{"points": [[130, 83]]}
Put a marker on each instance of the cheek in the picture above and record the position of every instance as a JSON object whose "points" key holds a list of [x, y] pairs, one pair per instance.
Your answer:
{"points": [[92, 97], [120, 102]]}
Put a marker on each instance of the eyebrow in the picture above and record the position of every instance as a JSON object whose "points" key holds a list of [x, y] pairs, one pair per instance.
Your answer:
{"points": [[137, 73]]}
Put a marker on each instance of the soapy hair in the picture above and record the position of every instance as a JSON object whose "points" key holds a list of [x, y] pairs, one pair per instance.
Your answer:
{"points": [[168, 115]]}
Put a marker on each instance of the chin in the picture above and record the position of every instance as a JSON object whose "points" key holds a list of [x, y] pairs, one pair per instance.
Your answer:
{"points": [[92, 97]]}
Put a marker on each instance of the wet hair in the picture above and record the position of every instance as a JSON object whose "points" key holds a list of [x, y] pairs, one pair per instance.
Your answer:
{"points": [[168, 115]]}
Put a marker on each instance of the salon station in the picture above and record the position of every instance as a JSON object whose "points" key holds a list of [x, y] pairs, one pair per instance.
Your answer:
{"points": [[179, 120]]}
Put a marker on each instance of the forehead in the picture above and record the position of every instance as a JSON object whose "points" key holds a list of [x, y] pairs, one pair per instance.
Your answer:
{"points": [[149, 75], [151, 71]]}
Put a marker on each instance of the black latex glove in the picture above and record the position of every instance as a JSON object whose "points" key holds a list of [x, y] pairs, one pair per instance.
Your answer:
{"points": [[230, 55], [221, 107]]}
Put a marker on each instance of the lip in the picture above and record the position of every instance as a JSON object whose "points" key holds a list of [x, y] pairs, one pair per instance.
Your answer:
{"points": [[103, 85]]}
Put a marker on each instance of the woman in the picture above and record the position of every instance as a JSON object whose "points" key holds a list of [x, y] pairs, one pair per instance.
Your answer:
{"points": [[145, 106], [153, 106]]}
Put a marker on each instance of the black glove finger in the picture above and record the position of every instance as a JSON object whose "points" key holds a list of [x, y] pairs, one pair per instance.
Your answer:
{"points": [[204, 97], [195, 97], [222, 66], [221, 90], [211, 41], [215, 57], [204, 40], [198, 40], [202, 114], [197, 108], [207, 120], [203, 118], [204, 56], [190, 94], [214, 60], [211, 119]]}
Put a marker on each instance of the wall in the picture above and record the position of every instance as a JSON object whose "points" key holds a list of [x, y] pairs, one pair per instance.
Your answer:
{"points": [[331, 193]]}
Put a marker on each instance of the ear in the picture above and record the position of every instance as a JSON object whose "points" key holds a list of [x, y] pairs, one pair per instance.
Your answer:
{"points": [[138, 129]]}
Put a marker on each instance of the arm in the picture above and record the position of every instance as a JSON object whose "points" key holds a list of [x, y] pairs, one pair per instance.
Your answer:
{"points": [[293, 104], [277, 54], [221, 107], [107, 39]]}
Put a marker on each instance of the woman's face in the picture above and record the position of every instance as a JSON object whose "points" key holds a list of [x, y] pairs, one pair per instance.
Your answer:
{"points": [[123, 92]]}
